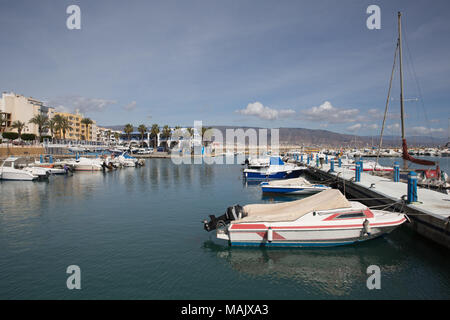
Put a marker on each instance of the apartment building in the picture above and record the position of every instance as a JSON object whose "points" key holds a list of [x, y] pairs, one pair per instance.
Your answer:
{"points": [[78, 130], [16, 107]]}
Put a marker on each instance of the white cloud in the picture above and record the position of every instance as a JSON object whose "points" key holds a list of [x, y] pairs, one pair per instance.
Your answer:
{"points": [[424, 130], [393, 126], [327, 113], [81, 104], [354, 127], [259, 110], [130, 106]]}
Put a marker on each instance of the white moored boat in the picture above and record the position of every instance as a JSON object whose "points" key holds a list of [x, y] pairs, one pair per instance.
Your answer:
{"points": [[86, 164], [292, 186], [322, 220], [8, 171]]}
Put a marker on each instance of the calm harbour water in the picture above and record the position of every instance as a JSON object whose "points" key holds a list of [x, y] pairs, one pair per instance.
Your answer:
{"points": [[137, 234]]}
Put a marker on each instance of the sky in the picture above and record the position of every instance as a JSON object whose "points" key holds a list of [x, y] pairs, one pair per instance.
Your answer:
{"points": [[303, 64]]}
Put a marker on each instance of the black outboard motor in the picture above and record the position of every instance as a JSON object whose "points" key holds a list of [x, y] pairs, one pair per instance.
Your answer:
{"points": [[233, 213]]}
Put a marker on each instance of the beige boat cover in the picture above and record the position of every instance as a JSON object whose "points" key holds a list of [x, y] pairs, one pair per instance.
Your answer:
{"points": [[290, 211], [290, 182]]}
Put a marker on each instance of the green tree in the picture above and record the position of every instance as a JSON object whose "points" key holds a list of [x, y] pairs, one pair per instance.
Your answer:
{"points": [[62, 124], [191, 131], [154, 131], [3, 122], [41, 121], [142, 129], [206, 135], [10, 135], [87, 122], [19, 126], [51, 125], [128, 130]]}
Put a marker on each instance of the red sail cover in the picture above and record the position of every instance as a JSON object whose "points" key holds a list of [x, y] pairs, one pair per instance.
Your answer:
{"points": [[408, 157]]}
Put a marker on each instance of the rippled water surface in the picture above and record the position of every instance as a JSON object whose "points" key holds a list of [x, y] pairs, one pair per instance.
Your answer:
{"points": [[137, 234]]}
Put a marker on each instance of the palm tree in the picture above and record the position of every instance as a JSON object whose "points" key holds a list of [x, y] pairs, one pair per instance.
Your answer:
{"points": [[51, 124], [3, 121], [208, 136], [87, 122], [142, 129], [41, 121], [62, 124], [191, 132], [116, 136], [128, 130], [154, 131], [19, 125], [166, 134]]}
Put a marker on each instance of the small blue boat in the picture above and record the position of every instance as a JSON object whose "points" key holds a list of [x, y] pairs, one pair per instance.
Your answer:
{"points": [[277, 169]]}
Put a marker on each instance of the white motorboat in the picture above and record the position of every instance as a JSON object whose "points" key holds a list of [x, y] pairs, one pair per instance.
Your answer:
{"points": [[276, 170], [256, 163], [292, 186], [86, 164], [321, 220], [42, 173], [9, 171], [127, 161]]}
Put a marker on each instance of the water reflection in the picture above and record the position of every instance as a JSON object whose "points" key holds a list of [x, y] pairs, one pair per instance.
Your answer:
{"points": [[332, 271]]}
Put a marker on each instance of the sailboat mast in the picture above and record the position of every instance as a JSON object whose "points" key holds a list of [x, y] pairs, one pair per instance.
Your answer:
{"points": [[401, 77]]}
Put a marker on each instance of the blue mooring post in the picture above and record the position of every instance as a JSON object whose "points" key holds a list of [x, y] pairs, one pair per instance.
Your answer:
{"points": [[357, 172], [50, 159], [307, 160], [41, 158], [301, 158], [340, 163], [317, 161], [412, 187], [331, 165], [396, 172], [326, 159]]}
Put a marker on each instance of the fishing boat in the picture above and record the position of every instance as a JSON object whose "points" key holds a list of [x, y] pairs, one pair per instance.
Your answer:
{"points": [[277, 169], [321, 220], [292, 186], [10, 171]]}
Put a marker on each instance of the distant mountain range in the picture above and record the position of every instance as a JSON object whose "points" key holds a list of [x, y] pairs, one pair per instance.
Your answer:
{"points": [[317, 137]]}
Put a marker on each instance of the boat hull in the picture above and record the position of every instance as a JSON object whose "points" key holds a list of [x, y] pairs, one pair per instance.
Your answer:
{"points": [[306, 238], [16, 176], [293, 190], [253, 175]]}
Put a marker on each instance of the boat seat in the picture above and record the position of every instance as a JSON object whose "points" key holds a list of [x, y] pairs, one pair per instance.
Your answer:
{"points": [[291, 211]]}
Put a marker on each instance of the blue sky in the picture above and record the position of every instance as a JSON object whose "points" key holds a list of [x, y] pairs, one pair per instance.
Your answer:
{"points": [[311, 64]]}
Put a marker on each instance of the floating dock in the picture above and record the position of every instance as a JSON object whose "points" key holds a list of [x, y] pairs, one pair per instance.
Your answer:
{"points": [[429, 215]]}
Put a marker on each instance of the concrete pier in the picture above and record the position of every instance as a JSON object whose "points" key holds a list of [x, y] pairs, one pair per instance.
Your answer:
{"points": [[429, 216]]}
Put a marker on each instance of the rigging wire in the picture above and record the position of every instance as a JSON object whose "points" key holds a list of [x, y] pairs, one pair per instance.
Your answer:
{"points": [[419, 90]]}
